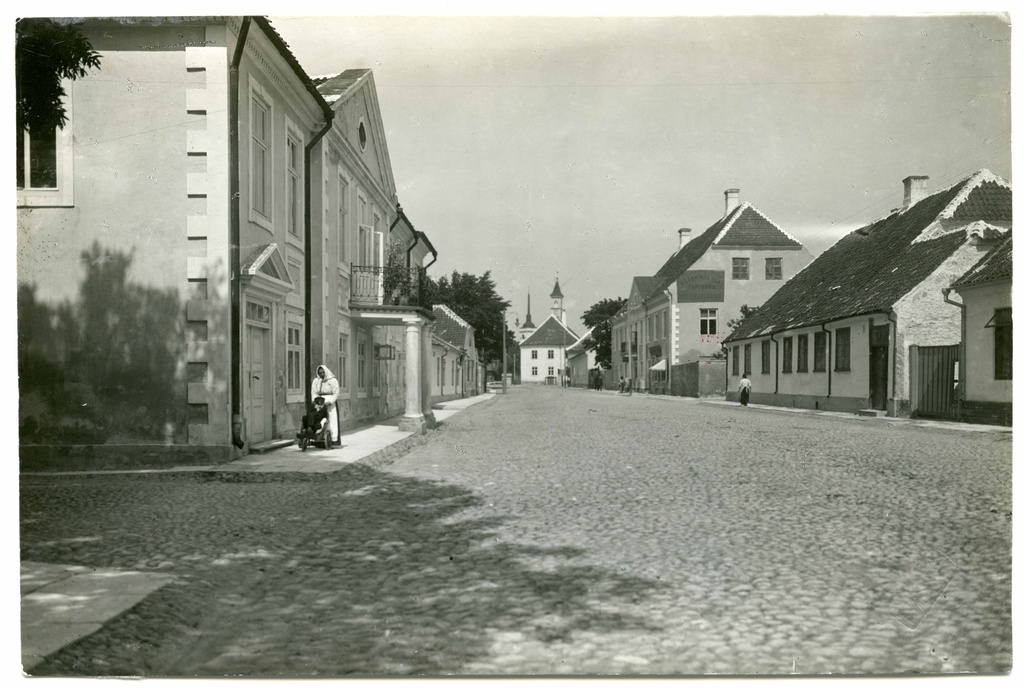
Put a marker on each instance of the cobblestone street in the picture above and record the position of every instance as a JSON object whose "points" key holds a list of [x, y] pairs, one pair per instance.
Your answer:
{"points": [[554, 531]]}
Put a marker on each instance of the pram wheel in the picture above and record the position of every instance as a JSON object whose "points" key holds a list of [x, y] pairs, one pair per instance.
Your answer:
{"points": [[302, 443], [327, 441]]}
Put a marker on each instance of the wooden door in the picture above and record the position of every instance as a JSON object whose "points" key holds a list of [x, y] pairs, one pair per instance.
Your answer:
{"points": [[257, 407]]}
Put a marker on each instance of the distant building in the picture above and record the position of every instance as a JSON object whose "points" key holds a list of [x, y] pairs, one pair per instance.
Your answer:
{"points": [[986, 339], [543, 353], [865, 326], [455, 371], [679, 315], [581, 362]]}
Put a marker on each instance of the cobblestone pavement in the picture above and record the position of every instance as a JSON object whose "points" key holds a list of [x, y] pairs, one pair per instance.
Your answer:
{"points": [[555, 531]]}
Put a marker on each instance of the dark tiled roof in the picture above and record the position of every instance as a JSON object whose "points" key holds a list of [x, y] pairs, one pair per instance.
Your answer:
{"points": [[333, 87], [752, 229], [871, 268], [551, 334], [650, 285], [449, 326], [991, 201], [692, 250], [578, 347], [996, 265]]}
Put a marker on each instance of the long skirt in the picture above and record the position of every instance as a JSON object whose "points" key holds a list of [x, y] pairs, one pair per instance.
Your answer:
{"points": [[744, 396]]}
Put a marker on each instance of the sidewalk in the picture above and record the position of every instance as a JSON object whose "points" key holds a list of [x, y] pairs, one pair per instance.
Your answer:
{"points": [[64, 603]]}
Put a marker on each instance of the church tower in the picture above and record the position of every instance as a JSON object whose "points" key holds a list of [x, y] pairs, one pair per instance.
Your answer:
{"points": [[556, 303]]}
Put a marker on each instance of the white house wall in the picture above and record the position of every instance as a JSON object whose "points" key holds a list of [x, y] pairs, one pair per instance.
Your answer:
{"points": [[978, 358]]}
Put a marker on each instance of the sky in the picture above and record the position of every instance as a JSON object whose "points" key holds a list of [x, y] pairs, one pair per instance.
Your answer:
{"points": [[575, 147]]}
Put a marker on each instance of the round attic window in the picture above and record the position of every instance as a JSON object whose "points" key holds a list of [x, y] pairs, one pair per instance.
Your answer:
{"points": [[362, 136]]}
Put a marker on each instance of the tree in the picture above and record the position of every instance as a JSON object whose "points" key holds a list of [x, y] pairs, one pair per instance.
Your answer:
{"points": [[45, 53], [732, 324], [598, 317], [475, 300]]}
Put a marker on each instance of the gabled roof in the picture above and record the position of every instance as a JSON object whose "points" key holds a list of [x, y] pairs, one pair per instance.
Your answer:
{"points": [[871, 268], [450, 327], [650, 285], [744, 226], [552, 333], [577, 347], [996, 265], [333, 87]]}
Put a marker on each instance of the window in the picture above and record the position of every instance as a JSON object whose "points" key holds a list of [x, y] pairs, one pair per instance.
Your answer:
{"points": [[533, 354], [342, 215], [766, 356], [533, 371], [801, 352], [708, 321], [736, 361], [293, 192], [551, 371], [44, 165], [343, 361], [787, 355], [773, 269], [295, 358], [261, 171], [842, 349], [1002, 322], [746, 358], [740, 269], [820, 356], [361, 362]]}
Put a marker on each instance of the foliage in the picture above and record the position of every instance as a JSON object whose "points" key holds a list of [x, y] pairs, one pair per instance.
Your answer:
{"points": [[105, 367], [598, 317], [475, 300], [45, 53], [397, 283], [732, 324]]}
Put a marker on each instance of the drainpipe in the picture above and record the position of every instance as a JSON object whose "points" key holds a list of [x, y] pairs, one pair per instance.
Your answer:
{"points": [[961, 379], [772, 338], [669, 354], [234, 240], [828, 360], [308, 232], [891, 316]]}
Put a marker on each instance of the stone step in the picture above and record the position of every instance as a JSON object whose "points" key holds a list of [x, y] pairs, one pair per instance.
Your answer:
{"points": [[273, 444], [871, 413]]}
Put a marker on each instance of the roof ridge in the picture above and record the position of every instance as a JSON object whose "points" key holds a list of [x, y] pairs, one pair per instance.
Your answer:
{"points": [[935, 229], [451, 312], [737, 212]]}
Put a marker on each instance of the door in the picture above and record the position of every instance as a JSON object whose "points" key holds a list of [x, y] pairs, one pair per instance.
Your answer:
{"points": [[936, 381], [257, 409], [878, 366]]}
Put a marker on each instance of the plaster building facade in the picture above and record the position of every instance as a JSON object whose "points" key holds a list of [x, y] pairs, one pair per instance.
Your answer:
{"points": [[543, 353], [985, 376], [679, 315], [848, 331], [178, 284]]}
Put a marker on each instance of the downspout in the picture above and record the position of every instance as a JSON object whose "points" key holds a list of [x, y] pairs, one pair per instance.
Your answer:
{"points": [[891, 316], [772, 338], [963, 340], [828, 359], [668, 366], [234, 240], [308, 232]]}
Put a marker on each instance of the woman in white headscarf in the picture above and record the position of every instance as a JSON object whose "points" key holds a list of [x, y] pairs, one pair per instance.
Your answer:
{"points": [[326, 386]]}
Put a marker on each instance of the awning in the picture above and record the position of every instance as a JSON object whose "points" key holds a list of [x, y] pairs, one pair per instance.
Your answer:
{"points": [[660, 366]]}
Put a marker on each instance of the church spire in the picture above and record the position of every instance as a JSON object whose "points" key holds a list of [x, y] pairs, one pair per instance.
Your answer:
{"points": [[529, 321], [556, 302]]}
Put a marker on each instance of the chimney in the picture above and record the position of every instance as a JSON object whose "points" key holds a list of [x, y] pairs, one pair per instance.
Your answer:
{"points": [[732, 200], [684, 237], [915, 188]]}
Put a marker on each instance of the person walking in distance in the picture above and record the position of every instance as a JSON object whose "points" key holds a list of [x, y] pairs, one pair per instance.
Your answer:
{"points": [[745, 389]]}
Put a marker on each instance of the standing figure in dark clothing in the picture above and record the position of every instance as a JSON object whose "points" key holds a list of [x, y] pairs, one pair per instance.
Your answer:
{"points": [[314, 423]]}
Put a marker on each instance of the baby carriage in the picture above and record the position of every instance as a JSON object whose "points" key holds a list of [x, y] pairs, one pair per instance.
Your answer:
{"points": [[316, 429], [317, 438]]}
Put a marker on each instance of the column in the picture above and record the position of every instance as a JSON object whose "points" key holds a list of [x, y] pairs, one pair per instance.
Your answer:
{"points": [[427, 349], [413, 419]]}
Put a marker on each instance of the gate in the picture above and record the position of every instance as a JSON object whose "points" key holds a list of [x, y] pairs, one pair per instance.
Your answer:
{"points": [[933, 387]]}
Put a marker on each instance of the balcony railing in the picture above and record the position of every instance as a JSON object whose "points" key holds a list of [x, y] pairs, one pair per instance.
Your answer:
{"points": [[389, 285]]}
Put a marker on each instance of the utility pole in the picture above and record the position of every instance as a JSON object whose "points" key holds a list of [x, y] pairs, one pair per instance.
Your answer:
{"points": [[504, 357]]}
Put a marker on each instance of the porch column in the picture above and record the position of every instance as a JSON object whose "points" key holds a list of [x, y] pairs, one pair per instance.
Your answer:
{"points": [[427, 350], [413, 419]]}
